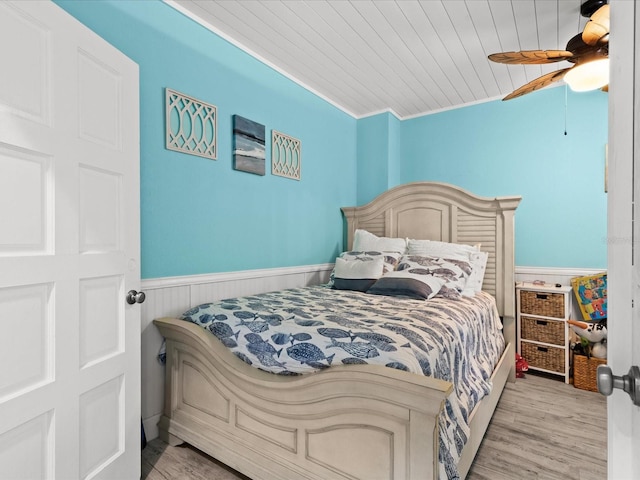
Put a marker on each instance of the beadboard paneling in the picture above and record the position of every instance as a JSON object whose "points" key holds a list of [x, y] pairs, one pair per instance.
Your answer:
{"points": [[551, 276], [168, 297]]}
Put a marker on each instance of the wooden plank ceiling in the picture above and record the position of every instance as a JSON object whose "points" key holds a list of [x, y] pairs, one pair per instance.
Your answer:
{"points": [[411, 57]]}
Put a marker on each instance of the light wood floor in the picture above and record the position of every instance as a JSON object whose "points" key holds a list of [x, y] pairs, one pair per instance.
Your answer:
{"points": [[542, 429]]}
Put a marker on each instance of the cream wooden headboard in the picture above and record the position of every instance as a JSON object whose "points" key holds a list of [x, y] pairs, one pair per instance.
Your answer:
{"points": [[439, 211]]}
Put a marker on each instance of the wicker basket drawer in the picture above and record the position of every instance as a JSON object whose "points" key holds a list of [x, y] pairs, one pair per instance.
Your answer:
{"points": [[542, 330], [585, 372], [542, 356], [542, 303]]}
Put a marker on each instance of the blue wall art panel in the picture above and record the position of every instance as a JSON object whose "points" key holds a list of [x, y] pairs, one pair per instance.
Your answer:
{"points": [[248, 145]]}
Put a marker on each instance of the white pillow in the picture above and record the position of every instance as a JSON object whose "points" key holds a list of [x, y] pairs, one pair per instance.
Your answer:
{"points": [[439, 249], [389, 261], [357, 274], [453, 271], [364, 241], [474, 282]]}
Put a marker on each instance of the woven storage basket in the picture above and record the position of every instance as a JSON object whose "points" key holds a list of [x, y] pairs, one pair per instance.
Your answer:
{"points": [[585, 372], [543, 304], [544, 357], [540, 330]]}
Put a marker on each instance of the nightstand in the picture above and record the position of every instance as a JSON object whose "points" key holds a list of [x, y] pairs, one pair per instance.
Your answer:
{"points": [[542, 328]]}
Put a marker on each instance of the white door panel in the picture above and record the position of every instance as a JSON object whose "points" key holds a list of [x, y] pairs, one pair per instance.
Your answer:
{"points": [[623, 248], [69, 250]]}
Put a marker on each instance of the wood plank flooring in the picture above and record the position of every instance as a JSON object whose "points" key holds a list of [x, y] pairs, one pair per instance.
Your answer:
{"points": [[542, 429]]}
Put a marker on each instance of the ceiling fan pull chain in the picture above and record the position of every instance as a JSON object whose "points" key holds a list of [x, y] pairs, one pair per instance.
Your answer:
{"points": [[566, 87]]}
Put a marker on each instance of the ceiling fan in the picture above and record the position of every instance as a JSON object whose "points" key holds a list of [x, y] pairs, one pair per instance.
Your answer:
{"points": [[588, 51]]}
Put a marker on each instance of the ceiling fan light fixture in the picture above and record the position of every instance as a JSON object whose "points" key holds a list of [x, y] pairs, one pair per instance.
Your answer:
{"points": [[588, 76]]}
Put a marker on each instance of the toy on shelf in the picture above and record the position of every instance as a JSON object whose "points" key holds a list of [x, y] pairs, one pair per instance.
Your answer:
{"points": [[521, 366], [591, 294], [593, 337]]}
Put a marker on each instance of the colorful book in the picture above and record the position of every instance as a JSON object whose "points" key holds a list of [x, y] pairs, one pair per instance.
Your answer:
{"points": [[591, 294]]}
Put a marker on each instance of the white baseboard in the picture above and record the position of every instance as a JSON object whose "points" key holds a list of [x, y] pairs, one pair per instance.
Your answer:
{"points": [[151, 427]]}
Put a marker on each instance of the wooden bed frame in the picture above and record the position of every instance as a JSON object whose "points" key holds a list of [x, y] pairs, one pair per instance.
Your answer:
{"points": [[346, 422]]}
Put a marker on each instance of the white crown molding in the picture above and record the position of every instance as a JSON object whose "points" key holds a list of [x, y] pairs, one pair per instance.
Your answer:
{"points": [[379, 112], [196, 18], [244, 48], [468, 104], [185, 280]]}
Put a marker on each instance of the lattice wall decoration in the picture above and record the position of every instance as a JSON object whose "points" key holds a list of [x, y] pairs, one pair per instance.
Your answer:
{"points": [[191, 125], [286, 153]]}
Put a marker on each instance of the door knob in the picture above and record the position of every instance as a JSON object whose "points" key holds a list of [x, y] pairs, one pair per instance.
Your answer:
{"points": [[630, 382], [135, 297]]}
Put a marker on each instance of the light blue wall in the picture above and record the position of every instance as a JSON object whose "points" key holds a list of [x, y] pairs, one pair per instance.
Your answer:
{"points": [[518, 147], [379, 146], [395, 150], [199, 215], [373, 157]]}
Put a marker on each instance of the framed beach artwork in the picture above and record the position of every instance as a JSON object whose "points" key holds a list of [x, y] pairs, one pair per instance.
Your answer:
{"points": [[248, 146]]}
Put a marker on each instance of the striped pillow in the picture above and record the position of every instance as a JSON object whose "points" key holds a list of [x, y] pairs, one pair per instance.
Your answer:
{"points": [[357, 275]]}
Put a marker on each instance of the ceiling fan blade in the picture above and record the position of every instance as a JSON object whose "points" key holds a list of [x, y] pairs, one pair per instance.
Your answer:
{"points": [[538, 83], [531, 57], [596, 30]]}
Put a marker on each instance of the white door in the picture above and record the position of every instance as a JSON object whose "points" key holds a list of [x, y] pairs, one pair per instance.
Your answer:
{"points": [[69, 250], [623, 237]]}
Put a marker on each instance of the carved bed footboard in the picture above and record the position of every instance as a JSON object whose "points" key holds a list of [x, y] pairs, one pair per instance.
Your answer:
{"points": [[356, 422]]}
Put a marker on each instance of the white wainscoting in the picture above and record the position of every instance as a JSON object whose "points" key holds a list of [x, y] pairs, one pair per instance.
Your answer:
{"points": [[551, 276], [171, 296]]}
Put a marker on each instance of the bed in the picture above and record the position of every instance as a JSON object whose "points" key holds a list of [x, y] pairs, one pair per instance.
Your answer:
{"points": [[355, 421]]}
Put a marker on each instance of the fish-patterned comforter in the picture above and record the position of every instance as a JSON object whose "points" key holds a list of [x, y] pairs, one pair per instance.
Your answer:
{"points": [[306, 329]]}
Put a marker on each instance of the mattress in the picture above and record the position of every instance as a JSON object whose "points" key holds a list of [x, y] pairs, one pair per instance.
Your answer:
{"points": [[302, 330]]}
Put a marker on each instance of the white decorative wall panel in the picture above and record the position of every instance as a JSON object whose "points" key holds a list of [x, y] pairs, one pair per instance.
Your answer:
{"points": [[25, 180], [286, 155], [99, 101], [99, 220], [191, 125], [25, 86], [26, 451], [27, 312], [101, 418], [101, 319]]}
